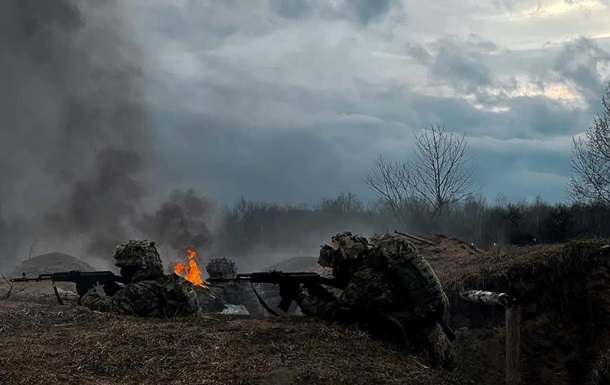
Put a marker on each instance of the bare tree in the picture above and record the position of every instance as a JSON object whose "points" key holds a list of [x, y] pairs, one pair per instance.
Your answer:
{"points": [[346, 203], [391, 181], [443, 171], [590, 160], [439, 173]]}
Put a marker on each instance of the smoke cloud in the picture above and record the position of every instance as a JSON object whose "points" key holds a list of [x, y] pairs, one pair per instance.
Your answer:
{"points": [[73, 142], [182, 221]]}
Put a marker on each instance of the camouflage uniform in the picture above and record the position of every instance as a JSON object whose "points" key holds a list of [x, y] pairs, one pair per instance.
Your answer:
{"points": [[236, 293], [148, 292], [388, 286]]}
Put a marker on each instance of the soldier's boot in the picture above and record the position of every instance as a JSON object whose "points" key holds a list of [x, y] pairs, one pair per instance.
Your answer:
{"points": [[441, 351]]}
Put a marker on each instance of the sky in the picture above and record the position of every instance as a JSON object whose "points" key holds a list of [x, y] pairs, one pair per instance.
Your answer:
{"points": [[293, 100]]}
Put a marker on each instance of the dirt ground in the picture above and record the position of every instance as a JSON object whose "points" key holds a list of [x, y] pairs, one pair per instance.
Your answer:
{"points": [[563, 290], [52, 344]]}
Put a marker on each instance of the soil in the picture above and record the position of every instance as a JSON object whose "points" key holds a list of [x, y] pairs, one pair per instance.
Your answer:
{"points": [[42, 344], [563, 292], [49, 263]]}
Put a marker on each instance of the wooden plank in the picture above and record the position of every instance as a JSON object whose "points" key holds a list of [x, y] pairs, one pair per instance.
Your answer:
{"points": [[513, 345], [415, 238]]}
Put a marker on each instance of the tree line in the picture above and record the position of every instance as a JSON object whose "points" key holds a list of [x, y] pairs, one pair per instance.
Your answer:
{"points": [[434, 189], [250, 225]]}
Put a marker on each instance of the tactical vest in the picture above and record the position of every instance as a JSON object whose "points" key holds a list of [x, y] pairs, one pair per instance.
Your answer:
{"points": [[176, 296]]}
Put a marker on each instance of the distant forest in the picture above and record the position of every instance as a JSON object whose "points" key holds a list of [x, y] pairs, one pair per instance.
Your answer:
{"points": [[434, 190], [249, 223]]}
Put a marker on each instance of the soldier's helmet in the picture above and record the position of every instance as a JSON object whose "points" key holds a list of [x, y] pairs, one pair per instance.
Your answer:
{"points": [[142, 256], [342, 247], [221, 268]]}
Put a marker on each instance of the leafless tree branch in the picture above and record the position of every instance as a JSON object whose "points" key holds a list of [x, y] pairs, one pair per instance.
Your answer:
{"points": [[590, 159], [439, 174]]}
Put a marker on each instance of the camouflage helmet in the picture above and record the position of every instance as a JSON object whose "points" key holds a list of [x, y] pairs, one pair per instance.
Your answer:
{"points": [[342, 247], [142, 255], [221, 268]]}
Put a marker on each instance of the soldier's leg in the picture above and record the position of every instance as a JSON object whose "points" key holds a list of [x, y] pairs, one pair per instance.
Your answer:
{"points": [[441, 351]]}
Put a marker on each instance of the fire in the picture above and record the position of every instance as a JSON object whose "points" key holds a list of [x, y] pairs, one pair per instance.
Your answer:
{"points": [[190, 272]]}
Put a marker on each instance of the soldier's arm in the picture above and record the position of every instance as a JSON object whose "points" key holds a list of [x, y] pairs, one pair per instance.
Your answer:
{"points": [[94, 300], [367, 290], [136, 299], [190, 301]]}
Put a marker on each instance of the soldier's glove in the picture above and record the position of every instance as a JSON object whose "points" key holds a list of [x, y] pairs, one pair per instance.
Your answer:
{"points": [[300, 298], [111, 288], [320, 292]]}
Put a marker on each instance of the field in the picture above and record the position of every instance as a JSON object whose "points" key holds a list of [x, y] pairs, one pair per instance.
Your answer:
{"points": [[563, 291], [42, 344]]}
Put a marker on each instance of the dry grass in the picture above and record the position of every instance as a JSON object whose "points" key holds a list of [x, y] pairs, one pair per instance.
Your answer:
{"points": [[461, 267], [601, 372], [72, 345]]}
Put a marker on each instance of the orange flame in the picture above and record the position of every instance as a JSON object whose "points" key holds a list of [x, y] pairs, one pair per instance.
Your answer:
{"points": [[190, 272]]}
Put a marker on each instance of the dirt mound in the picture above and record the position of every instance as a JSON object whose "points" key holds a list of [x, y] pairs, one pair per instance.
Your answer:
{"points": [[41, 345], [50, 263], [42, 264], [450, 257], [565, 298]]}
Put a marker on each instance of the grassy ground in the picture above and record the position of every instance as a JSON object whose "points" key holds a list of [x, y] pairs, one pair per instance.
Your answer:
{"points": [[72, 345]]}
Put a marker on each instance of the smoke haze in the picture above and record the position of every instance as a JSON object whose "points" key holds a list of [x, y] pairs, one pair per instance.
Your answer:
{"points": [[108, 105], [73, 141]]}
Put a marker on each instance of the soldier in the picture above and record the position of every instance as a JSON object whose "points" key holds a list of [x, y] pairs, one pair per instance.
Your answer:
{"points": [[147, 291], [234, 293], [387, 285]]}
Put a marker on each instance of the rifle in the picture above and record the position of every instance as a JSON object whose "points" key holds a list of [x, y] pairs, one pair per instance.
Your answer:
{"points": [[84, 280], [289, 283], [290, 287]]}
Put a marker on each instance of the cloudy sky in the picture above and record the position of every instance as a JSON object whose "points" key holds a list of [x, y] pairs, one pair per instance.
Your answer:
{"points": [[292, 100]]}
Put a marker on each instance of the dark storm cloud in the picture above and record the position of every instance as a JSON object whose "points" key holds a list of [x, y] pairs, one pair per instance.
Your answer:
{"points": [[286, 101], [294, 9], [229, 162], [459, 63], [579, 62], [362, 12], [367, 11]]}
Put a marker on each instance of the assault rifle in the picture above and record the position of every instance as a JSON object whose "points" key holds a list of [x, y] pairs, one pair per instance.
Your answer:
{"points": [[290, 287], [84, 280], [289, 283]]}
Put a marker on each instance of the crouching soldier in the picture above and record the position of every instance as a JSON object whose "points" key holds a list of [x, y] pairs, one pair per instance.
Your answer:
{"points": [[147, 291], [387, 286], [233, 292]]}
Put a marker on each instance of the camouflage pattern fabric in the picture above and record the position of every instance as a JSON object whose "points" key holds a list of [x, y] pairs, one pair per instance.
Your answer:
{"points": [[388, 281], [439, 349], [417, 286], [141, 255], [148, 292], [165, 297], [221, 268], [342, 247], [367, 291], [235, 293]]}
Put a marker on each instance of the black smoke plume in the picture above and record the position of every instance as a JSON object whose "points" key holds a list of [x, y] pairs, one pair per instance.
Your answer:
{"points": [[181, 222], [73, 141]]}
